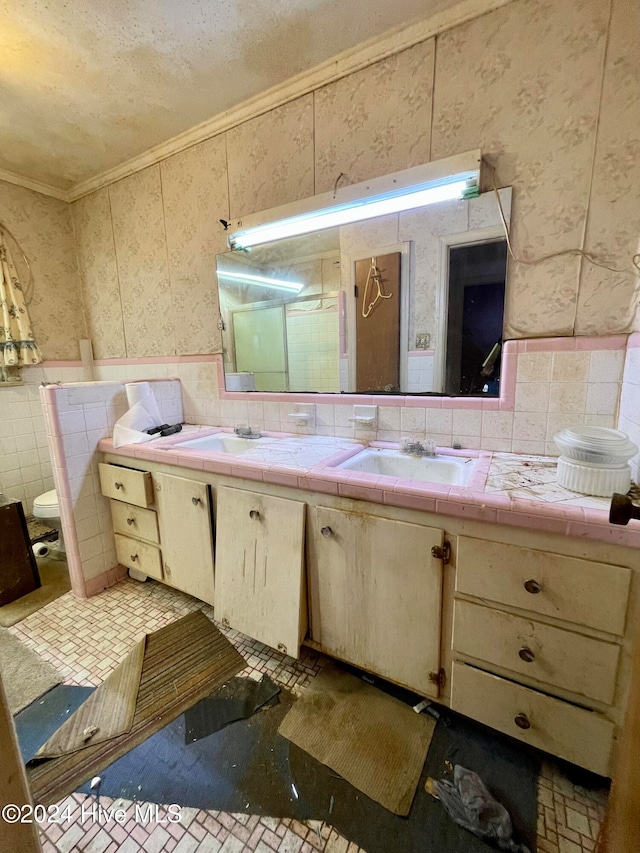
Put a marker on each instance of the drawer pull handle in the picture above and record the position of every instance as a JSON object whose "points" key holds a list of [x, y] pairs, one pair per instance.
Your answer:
{"points": [[131, 521], [526, 655], [326, 531], [195, 501], [532, 586], [134, 557], [254, 514], [522, 721], [118, 485]]}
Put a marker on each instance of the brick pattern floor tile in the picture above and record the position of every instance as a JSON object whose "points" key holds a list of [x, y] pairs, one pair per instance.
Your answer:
{"points": [[85, 639]]}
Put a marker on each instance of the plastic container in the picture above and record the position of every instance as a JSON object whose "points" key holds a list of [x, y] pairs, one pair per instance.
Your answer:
{"points": [[595, 446]]}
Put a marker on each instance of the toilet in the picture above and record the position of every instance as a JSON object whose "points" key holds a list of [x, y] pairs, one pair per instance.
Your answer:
{"points": [[45, 506]]}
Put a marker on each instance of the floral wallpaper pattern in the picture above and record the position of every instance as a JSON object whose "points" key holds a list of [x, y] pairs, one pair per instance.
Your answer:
{"points": [[141, 252], [270, 158], [42, 225], [375, 121], [607, 301], [523, 83], [99, 274], [195, 194]]}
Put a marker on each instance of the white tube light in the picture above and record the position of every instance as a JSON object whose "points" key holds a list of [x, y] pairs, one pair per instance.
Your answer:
{"points": [[276, 283], [406, 198]]}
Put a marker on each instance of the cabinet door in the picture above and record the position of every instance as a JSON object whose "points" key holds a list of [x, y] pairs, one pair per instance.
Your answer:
{"points": [[260, 586], [184, 518], [375, 594]]}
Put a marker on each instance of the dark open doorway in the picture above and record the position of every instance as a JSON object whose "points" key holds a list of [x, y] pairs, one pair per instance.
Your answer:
{"points": [[475, 317]]}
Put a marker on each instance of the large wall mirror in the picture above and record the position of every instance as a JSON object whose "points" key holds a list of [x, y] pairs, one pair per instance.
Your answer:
{"points": [[406, 303]]}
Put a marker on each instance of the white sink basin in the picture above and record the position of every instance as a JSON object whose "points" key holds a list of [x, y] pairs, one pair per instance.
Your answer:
{"points": [[223, 443], [450, 470]]}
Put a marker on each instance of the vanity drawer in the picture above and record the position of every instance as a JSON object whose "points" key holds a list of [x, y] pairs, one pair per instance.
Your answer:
{"points": [[579, 591], [134, 521], [138, 555], [550, 655], [575, 734], [126, 484]]}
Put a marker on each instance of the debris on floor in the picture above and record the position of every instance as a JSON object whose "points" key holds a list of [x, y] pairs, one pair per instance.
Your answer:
{"points": [[238, 699], [468, 803]]}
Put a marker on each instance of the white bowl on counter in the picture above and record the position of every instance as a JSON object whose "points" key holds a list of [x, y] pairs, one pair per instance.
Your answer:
{"points": [[594, 460]]}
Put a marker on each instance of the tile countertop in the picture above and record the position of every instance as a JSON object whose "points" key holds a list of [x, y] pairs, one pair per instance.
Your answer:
{"points": [[505, 488]]}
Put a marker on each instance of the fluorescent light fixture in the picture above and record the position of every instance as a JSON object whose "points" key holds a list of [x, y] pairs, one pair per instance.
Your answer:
{"points": [[447, 188], [276, 283]]}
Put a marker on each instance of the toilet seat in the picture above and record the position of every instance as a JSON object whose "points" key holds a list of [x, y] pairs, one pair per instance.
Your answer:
{"points": [[46, 505]]}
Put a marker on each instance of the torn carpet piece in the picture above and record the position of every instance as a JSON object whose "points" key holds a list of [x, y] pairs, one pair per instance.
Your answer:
{"points": [[107, 713], [374, 741], [183, 662]]}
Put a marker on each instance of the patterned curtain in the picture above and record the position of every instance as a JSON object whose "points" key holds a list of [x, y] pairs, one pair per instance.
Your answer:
{"points": [[17, 344]]}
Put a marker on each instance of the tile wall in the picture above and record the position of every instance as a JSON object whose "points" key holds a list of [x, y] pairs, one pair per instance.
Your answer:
{"points": [[77, 417], [312, 337], [629, 420], [548, 384], [25, 464]]}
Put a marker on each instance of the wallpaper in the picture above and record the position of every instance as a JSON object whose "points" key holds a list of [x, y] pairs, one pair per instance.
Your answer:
{"points": [[195, 195], [270, 158], [608, 300], [42, 226], [375, 121], [99, 274], [523, 83], [141, 252]]}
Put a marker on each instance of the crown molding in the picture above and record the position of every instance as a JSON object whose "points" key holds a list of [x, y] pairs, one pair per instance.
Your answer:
{"points": [[348, 62], [35, 186]]}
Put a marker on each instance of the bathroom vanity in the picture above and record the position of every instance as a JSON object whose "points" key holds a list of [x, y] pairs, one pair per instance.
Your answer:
{"points": [[525, 630]]}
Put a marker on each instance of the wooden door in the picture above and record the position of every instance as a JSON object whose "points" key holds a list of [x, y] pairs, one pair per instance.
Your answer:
{"points": [[375, 594], [186, 534], [260, 584], [378, 323]]}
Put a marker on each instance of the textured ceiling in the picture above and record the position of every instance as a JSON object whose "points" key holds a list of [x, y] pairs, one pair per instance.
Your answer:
{"points": [[86, 85]]}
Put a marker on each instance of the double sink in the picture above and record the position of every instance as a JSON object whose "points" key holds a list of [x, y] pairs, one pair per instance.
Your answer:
{"points": [[385, 462]]}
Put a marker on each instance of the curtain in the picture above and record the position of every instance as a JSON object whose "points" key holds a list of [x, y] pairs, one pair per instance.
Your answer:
{"points": [[17, 344]]}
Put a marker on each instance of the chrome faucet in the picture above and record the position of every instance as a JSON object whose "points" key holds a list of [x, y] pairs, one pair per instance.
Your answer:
{"points": [[246, 432], [419, 448]]}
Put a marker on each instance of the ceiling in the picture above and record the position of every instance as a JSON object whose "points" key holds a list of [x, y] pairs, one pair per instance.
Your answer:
{"points": [[86, 85]]}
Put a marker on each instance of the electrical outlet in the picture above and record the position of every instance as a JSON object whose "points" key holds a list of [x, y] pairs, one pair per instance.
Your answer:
{"points": [[422, 340]]}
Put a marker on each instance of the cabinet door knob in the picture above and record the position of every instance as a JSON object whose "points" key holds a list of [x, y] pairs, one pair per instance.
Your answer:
{"points": [[522, 721], [326, 531], [254, 514], [532, 586], [195, 501], [131, 521], [118, 485], [526, 655], [134, 557]]}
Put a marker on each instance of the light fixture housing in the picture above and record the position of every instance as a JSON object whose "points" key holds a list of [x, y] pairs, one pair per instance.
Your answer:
{"points": [[262, 281], [443, 180]]}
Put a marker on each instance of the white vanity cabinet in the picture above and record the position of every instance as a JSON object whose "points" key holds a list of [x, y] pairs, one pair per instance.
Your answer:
{"points": [[186, 534], [260, 579], [375, 594], [537, 644], [162, 527]]}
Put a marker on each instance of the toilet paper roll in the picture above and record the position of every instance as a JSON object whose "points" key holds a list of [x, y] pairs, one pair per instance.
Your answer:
{"points": [[143, 414], [40, 549], [141, 392]]}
